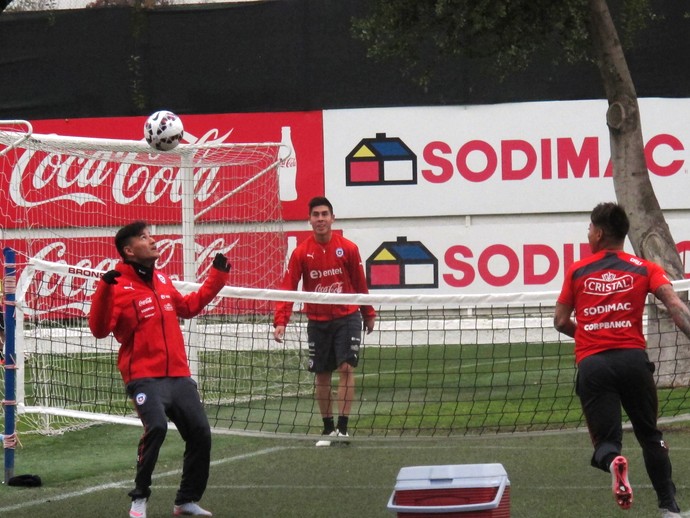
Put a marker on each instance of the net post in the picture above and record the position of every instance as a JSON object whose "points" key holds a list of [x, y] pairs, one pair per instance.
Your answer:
{"points": [[20, 137], [188, 250], [9, 403]]}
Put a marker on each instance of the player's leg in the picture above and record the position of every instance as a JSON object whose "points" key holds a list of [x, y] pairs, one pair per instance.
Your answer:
{"points": [[599, 393], [322, 392], [641, 403], [601, 407], [346, 390], [322, 364], [347, 338], [189, 416], [148, 402]]}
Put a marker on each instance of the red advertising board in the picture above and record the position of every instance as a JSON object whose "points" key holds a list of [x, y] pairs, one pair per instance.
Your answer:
{"points": [[37, 185]]}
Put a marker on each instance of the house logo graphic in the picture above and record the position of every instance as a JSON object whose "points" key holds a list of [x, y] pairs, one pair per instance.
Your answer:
{"points": [[402, 264], [381, 161]]}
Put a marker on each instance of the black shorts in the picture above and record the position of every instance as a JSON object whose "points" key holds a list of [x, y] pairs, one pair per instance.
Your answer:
{"points": [[334, 342]]}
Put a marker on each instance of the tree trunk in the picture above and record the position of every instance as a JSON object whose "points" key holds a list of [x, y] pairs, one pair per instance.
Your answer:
{"points": [[649, 233]]}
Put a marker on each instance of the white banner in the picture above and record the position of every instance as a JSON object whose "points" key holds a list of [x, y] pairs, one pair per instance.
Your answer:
{"points": [[506, 254], [541, 157]]}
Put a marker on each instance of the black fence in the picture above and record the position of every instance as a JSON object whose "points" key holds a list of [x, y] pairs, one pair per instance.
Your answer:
{"points": [[279, 55]]}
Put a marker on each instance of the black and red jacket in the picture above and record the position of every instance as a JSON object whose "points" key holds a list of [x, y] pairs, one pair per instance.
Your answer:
{"points": [[143, 317]]}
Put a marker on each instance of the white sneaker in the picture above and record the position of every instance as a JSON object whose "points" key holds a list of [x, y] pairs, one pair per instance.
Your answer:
{"points": [[324, 442], [190, 509], [665, 513], [338, 433], [138, 509]]}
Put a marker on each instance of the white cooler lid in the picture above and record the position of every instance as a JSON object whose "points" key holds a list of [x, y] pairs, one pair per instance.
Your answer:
{"points": [[451, 475]]}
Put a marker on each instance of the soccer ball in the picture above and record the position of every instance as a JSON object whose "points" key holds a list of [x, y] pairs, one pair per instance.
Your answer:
{"points": [[163, 130]]}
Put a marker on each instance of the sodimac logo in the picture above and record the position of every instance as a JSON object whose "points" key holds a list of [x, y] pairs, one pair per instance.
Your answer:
{"points": [[385, 160], [381, 161]]}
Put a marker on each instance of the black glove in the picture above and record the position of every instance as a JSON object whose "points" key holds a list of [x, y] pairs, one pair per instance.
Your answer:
{"points": [[221, 263], [111, 277]]}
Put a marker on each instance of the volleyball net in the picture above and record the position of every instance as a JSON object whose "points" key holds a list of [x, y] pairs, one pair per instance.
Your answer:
{"points": [[436, 365]]}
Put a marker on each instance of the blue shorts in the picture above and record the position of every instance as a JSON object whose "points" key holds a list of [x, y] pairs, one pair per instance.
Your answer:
{"points": [[333, 342]]}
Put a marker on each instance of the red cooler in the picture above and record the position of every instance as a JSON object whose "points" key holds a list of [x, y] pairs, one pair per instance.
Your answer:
{"points": [[452, 491]]}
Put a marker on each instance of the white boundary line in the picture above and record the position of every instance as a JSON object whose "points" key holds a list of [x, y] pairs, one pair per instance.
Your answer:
{"points": [[122, 484]]}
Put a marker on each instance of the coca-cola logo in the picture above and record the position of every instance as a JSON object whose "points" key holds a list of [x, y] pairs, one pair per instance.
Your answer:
{"points": [[288, 162], [38, 178], [336, 287]]}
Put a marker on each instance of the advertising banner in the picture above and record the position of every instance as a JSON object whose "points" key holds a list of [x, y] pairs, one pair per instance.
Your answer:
{"points": [[526, 158], [466, 199], [46, 183], [481, 255]]}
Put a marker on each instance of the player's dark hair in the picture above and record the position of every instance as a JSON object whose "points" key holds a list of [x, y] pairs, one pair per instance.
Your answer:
{"points": [[319, 200], [126, 233], [612, 219]]}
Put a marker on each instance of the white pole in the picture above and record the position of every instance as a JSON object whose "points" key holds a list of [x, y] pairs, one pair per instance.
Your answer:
{"points": [[188, 251]]}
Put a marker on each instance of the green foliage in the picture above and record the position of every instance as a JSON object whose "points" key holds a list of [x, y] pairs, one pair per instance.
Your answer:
{"points": [[31, 5], [47, 5], [503, 35]]}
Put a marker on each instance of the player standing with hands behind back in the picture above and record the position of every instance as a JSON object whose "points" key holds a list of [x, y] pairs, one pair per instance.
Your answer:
{"points": [[141, 307], [327, 262], [608, 291]]}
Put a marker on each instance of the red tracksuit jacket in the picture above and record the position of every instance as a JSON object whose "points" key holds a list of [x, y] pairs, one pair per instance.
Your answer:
{"points": [[143, 317], [334, 267]]}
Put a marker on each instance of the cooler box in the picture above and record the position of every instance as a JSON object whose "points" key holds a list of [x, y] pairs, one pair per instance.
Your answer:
{"points": [[453, 491]]}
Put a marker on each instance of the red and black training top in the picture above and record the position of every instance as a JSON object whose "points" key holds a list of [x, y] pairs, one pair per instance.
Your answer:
{"points": [[608, 291]]}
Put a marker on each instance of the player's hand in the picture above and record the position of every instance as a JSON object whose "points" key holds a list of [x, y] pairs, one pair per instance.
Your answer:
{"points": [[111, 277], [279, 333], [220, 262], [369, 324]]}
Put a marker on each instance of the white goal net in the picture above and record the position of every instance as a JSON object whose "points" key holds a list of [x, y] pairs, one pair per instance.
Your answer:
{"points": [[67, 197], [436, 365]]}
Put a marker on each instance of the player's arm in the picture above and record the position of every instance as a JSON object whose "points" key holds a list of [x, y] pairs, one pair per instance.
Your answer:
{"points": [[562, 319], [677, 309], [283, 309], [102, 305], [191, 304], [359, 283]]}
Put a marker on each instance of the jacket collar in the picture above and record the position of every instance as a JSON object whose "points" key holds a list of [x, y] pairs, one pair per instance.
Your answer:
{"points": [[144, 272]]}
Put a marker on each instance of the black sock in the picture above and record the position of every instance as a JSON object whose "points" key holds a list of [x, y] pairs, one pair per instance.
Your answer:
{"points": [[328, 425], [608, 460], [342, 424]]}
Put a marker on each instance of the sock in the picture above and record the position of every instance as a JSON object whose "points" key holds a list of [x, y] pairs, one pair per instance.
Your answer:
{"points": [[342, 424], [328, 425], [609, 460]]}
